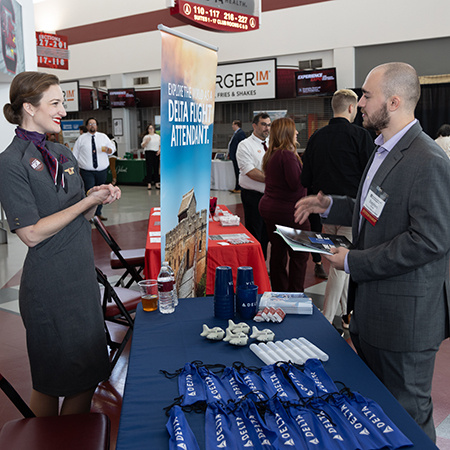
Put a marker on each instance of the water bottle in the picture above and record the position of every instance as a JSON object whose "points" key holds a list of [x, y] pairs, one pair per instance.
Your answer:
{"points": [[165, 290], [174, 290]]}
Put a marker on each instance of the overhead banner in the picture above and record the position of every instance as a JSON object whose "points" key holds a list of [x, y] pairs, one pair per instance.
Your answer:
{"points": [[231, 16], [187, 118], [253, 80], [12, 59], [52, 51]]}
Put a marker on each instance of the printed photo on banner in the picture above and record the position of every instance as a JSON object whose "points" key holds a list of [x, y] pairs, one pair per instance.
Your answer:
{"points": [[187, 118]]}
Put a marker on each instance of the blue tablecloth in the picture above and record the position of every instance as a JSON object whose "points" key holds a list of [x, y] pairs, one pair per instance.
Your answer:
{"points": [[169, 341]]}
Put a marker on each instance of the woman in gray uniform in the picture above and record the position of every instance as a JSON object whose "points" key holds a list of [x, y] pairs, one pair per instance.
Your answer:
{"points": [[43, 197]]}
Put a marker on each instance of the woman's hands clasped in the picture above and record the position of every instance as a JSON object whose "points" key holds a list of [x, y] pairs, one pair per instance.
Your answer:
{"points": [[105, 193]]}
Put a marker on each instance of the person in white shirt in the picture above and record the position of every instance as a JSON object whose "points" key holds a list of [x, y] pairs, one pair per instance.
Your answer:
{"points": [[249, 156], [151, 143], [443, 138], [92, 152]]}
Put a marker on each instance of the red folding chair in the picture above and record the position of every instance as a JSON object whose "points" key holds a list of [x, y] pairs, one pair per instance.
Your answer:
{"points": [[118, 304], [73, 432], [132, 260]]}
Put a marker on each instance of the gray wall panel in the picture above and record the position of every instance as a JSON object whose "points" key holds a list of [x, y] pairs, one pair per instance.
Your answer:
{"points": [[429, 57]]}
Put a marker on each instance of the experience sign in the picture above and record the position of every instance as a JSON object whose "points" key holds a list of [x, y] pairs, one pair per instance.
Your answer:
{"points": [[220, 15]]}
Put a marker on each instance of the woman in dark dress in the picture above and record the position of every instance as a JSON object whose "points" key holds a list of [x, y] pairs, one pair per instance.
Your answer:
{"points": [[43, 197], [282, 167]]}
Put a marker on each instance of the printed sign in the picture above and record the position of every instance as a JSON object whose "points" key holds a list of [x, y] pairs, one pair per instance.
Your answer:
{"points": [[316, 82], [187, 121], [71, 131], [71, 96], [246, 81], [52, 51], [234, 16], [12, 55]]}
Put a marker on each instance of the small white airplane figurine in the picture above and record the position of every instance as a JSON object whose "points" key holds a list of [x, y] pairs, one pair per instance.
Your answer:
{"points": [[265, 335], [236, 339], [238, 328], [215, 334]]}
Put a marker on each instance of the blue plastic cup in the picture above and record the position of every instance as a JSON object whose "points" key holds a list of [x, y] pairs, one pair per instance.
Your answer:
{"points": [[223, 284], [224, 307], [247, 301], [224, 302], [244, 276]]}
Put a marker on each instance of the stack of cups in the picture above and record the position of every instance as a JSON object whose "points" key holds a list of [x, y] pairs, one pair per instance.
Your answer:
{"points": [[224, 304], [246, 293]]}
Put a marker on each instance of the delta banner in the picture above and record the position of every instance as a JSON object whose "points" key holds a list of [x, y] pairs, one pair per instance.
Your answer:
{"points": [[187, 118]]}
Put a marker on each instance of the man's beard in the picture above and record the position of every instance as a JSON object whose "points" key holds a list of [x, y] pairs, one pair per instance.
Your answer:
{"points": [[379, 121]]}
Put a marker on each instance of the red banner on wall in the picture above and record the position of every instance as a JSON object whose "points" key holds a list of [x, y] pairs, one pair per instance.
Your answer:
{"points": [[52, 51], [219, 18]]}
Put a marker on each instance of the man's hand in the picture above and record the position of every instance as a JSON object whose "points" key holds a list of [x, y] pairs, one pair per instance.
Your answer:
{"points": [[337, 260], [313, 204]]}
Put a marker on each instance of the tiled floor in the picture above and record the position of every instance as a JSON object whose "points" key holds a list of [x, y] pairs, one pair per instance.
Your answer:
{"points": [[127, 221]]}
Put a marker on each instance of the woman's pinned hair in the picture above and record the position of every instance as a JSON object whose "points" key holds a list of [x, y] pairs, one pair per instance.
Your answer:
{"points": [[26, 87]]}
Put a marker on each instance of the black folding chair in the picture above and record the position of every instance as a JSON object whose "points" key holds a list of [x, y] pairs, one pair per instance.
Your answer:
{"points": [[118, 305], [73, 432], [132, 261]]}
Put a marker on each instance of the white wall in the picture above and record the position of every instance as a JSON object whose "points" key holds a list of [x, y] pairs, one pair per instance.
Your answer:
{"points": [[330, 30], [54, 15], [288, 34], [7, 129]]}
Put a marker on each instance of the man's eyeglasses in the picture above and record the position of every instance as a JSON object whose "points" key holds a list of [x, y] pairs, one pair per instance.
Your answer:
{"points": [[263, 124]]}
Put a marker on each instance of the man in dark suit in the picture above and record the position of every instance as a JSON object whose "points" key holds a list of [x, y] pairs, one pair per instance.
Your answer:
{"points": [[238, 136], [399, 267]]}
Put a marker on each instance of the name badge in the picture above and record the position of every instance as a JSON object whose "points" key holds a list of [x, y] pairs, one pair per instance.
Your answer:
{"points": [[373, 204]]}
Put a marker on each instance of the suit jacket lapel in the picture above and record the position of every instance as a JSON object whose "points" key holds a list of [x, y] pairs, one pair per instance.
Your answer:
{"points": [[355, 218], [392, 159]]}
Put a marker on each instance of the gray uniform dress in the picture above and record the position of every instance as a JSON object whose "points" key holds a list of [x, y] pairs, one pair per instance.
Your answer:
{"points": [[59, 296]]}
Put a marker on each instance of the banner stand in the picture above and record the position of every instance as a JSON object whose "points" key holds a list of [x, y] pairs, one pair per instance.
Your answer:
{"points": [[188, 78], [188, 38]]}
